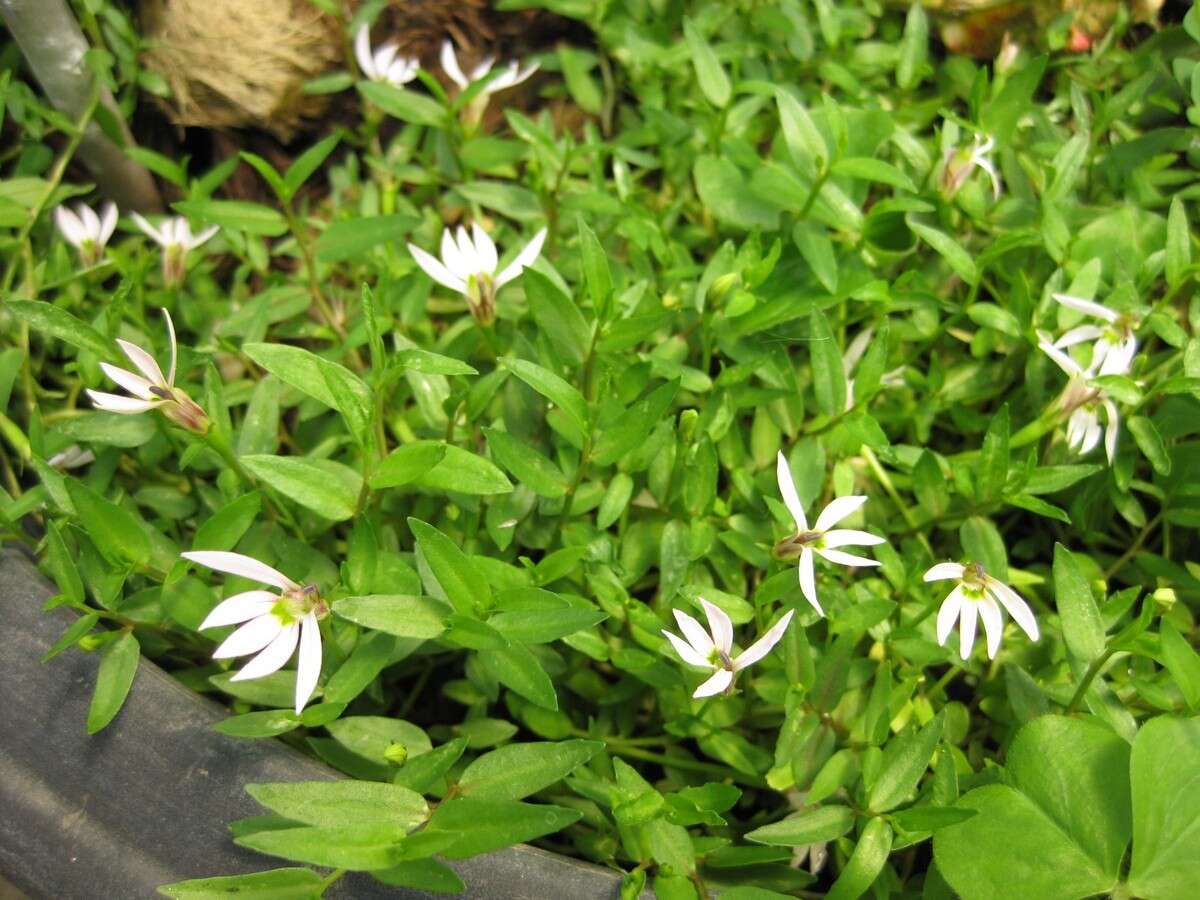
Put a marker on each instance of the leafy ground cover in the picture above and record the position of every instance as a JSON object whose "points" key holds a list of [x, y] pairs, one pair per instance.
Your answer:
{"points": [[763, 464]]}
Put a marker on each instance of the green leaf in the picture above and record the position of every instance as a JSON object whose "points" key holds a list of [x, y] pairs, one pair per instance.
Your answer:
{"points": [[504, 197], [1166, 795], [267, 171], [518, 770], [351, 238], [407, 463], [552, 387], [1083, 628], [482, 825], [331, 383], [60, 324], [423, 875], [714, 83], [1182, 661], [526, 464], [423, 772], [274, 884], [329, 803], [63, 567], [950, 250], [824, 823], [224, 528], [239, 215], [804, 142], [343, 847], [596, 273], [1057, 827], [308, 162], [1179, 243], [114, 529], [71, 636], [724, 191], [914, 49], [518, 670], [370, 737], [812, 240], [401, 615], [982, 543], [558, 317], [464, 585], [828, 371], [865, 863], [277, 689], [328, 488], [632, 427], [408, 106], [1151, 444], [905, 759], [260, 724], [464, 472], [540, 626], [993, 458], [867, 169], [616, 499], [118, 665], [418, 360]]}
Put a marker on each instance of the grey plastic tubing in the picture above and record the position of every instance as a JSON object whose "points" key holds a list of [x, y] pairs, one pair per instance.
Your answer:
{"points": [[147, 801]]}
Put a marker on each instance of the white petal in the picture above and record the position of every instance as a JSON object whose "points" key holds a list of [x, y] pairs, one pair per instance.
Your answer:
{"points": [[402, 71], [700, 640], [435, 270], [118, 404], [362, 52], [686, 652], [846, 559], [135, 384], [239, 608], [787, 490], [91, 221], [145, 363], [239, 564], [847, 537], [720, 680], [459, 263], [174, 347], [108, 222], [1119, 359], [1016, 606], [450, 65], [485, 250], [308, 667], [838, 510], [203, 237], [466, 249], [157, 236], [1061, 359], [384, 56], [1087, 307], [273, 657], [482, 68], [525, 258], [966, 627], [250, 638], [719, 624], [1079, 335], [993, 624], [942, 571], [764, 644], [1091, 437], [69, 226], [808, 579], [1111, 430], [948, 614]]}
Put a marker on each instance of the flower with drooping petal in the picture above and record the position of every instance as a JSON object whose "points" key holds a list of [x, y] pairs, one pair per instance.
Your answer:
{"points": [[512, 75], [383, 64], [958, 164], [978, 596], [468, 266], [72, 457], [150, 389], [712, 649], [1082, 401], [87, 232], [822, 538], [1115, 342], [176, 238], [270, 625]]}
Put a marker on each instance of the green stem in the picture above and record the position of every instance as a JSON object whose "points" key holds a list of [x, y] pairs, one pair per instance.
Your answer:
{"points": [[1134, 548], [691, 765], [1088, 677], [330, 879], [884, 479]]}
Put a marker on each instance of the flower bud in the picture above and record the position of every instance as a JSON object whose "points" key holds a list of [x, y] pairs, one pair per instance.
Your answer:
{"points": [[396, 753]]}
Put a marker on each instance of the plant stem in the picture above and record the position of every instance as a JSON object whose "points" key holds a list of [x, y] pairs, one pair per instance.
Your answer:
{"points": [[1134, 548], [691, 765], [884, 479], [1088, 677]]}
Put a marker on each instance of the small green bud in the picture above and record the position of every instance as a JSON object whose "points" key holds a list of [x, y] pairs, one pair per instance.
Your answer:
{"points": [[396, 753], [723, 284], [687, 425], [1165, 597]]}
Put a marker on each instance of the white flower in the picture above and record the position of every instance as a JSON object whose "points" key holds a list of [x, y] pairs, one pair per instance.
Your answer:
{"points": [[978, 595], [150, 389], [383, 64], [1116, 344], [468, 266], [271, 624], [957, 166], [72, 457], [512, 75], [820, 539], [85, 231], [1082, 401], [711, 649], [176, 238]]}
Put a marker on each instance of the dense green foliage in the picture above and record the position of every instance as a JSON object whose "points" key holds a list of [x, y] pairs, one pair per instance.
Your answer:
{"points": [[769, 228]]}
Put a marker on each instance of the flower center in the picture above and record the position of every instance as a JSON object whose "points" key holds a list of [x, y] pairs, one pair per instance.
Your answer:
{"points": [[294, 605], [720, 659], [974, 577], [791, 547]]}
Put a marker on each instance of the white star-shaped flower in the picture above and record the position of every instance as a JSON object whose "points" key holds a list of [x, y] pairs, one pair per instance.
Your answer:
{"points": [[176, 239], [468, 266], [271, 625], [1116, 343], [85, 231], [957, 165], [712, 649], [822, 538], [514, 73], [383, 64], [150, 389], [978, 596], [1083, 401]]}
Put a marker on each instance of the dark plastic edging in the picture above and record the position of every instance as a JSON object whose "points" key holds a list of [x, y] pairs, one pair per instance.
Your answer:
{"points": [[147, 801]]}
